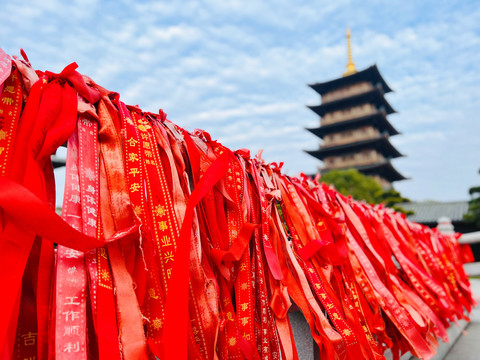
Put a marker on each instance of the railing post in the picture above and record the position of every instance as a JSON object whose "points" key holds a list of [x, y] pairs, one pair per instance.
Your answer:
{"points": [[445, 226]]}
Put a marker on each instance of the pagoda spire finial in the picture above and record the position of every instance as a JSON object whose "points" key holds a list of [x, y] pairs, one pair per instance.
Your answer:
{"points": [[350, 65]]}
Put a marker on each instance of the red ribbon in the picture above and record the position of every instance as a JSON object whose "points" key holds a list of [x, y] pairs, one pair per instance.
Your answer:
{"points": [[176, 314]]}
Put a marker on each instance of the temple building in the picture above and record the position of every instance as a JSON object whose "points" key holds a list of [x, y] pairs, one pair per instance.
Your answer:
{"points": [[354, 126]]}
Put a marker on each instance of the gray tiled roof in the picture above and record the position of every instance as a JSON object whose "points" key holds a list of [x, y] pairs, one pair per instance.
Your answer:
{"points": [[430, 211]]}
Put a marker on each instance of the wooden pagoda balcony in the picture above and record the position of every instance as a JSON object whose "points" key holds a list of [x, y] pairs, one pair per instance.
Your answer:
{"points": [[347, 91]]}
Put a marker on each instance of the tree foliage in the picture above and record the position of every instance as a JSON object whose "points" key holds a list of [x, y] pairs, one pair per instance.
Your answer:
{"points": [[392, 198], [473, 214], [352, 182], [362, 187]]}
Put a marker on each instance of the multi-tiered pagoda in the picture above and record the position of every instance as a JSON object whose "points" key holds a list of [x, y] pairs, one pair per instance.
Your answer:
{"points": [[354, 125]]}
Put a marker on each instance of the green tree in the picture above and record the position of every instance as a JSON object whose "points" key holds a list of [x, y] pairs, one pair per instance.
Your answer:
{"points": [[392, 198], [362, 187], [352, 182], [473, 214]]}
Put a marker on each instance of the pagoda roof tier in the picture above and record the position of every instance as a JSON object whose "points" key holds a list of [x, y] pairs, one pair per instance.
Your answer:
{"points": [[384, 169], [378, 120], [374, 96], [379, 143], [370, 74]]}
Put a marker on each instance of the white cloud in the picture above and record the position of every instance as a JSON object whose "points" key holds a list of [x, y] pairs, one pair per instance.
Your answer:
{"points": [[245, 111], [412, 138]]}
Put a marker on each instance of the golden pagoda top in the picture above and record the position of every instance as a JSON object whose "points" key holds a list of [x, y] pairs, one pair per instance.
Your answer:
{"points": [[350, 65]]}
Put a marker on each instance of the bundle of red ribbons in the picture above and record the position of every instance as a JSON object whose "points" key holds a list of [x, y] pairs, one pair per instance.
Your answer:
{"points": [[172, 246]]}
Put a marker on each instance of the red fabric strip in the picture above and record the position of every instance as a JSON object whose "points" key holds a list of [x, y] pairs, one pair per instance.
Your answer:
{"points": [[29, 211], [176, 314]]}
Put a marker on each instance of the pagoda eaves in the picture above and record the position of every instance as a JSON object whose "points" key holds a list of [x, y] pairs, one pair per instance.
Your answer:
{"points": [[379, 143], [370, 74], [384, 169], [373, 96], [378, 120]]}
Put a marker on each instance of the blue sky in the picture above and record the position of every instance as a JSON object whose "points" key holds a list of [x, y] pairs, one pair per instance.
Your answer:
{"points": [[240, 69]]}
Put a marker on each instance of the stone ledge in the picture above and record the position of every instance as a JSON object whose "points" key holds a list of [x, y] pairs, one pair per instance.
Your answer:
{"points": [[454, 332], [305, 344]]}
